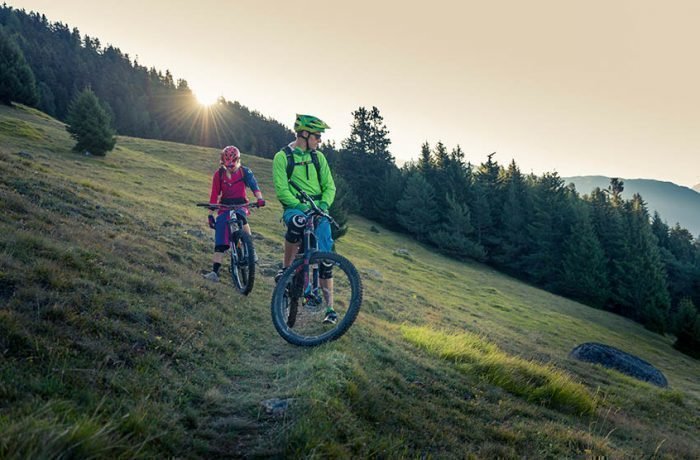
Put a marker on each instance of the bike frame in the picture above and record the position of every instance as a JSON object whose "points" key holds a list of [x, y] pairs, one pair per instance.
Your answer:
{"points": [[233, 223], [306, 250]]}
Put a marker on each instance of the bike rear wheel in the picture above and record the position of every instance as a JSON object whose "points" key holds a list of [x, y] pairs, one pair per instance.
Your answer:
{"points": [[301, 301], [243, 263]]}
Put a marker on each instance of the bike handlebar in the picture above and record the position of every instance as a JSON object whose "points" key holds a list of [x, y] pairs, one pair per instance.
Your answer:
{"points": [[305, 197], [226, 207]]}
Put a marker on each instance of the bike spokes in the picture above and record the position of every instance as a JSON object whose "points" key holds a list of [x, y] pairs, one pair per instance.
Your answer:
{"points": [[306, 296], [243, 264]]}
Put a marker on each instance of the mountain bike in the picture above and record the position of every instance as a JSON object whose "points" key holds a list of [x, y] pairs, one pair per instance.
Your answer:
{"points": [[314, 283], [241, 250]]}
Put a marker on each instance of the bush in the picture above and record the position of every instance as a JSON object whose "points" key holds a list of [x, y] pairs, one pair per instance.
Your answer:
{"points": [[90, 124]]}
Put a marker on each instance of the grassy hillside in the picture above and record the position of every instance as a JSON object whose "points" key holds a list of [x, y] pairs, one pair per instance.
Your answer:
{"points": [[111, 344]]}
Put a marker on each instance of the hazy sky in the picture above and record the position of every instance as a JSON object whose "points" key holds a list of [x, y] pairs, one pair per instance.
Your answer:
{"points": [[596, 87]]}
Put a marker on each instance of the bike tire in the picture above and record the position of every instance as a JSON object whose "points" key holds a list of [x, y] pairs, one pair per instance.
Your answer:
{"points": [[292, 298], [288, 327], [243, 264]]}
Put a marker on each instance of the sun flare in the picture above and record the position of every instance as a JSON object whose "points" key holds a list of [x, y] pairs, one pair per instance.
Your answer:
{"points": [[206, 97]]}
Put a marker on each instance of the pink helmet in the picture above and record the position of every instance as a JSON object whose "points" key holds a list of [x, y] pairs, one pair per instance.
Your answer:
{"points": [[229, 156]]}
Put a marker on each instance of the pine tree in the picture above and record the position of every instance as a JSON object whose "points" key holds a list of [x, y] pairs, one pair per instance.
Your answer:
{"points": [[365, 159], [453, 234], [384, 205], [425, 162], [607, 220], [660, 230], [516, 208], [17, 81], [340, 209], [481, 212], [488, 185], [89, 124], [414, 212], [584, 274], [641, 285], [551, 217], [687, 329]]}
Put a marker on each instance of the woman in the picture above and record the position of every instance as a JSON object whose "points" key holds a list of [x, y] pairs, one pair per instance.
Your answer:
{"points": [[229, 187]]}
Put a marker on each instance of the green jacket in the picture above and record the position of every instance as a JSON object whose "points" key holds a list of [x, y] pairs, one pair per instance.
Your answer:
{"points": [[303, 175]]}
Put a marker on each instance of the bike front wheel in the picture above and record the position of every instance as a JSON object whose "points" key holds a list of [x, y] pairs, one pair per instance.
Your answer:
{"points": [[243, 263], [301, 301]]}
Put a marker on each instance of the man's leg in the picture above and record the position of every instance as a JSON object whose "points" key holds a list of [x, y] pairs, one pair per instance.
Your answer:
{"points": [[325, 244], [290, 250], [295, 221], [327, 289]]}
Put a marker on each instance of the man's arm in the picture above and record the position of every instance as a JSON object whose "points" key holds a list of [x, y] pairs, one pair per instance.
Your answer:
{"points": [[279, 178]]}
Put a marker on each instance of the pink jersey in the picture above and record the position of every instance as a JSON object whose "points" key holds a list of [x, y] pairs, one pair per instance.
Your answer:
{"points": [[225, 190]]}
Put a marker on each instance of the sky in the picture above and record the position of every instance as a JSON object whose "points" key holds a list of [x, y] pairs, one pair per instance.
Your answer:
{"points": [[581, 88]]}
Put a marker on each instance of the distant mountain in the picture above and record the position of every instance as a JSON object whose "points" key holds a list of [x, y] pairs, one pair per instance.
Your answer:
{"points": [[674, 202], [697, 188]]}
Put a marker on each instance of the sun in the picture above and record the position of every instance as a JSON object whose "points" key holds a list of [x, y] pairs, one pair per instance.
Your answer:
{"points": [[206, 97]]}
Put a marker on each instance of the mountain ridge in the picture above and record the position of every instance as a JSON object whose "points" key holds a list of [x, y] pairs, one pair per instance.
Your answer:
{"points": [[675, 203]]}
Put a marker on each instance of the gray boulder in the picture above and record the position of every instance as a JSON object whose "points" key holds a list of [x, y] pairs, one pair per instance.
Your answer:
{"points": [[626, 363], [276, 407]]}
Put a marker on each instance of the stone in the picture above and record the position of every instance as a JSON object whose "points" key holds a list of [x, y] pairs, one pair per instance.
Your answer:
{"points": [[276, 407], [196, 233], [619, 360], [373, 274], [24, 154]]}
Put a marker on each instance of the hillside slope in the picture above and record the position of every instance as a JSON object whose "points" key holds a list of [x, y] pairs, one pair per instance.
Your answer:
{"points": [[675, 203], [111, 344]]}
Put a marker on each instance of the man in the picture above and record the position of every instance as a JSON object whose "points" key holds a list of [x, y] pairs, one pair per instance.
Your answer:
{"points": [[308, 168]]}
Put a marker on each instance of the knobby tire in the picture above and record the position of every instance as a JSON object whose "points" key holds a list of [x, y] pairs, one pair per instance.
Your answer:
{"points": [[284, 318]]}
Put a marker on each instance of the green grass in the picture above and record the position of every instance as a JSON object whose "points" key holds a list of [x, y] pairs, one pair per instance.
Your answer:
{"points": [[539, 384], [19, 128], [112, 346]]}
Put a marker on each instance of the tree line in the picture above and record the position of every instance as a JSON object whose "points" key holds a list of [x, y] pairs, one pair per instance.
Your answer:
{"points": [[597, 248], [47, 65]]}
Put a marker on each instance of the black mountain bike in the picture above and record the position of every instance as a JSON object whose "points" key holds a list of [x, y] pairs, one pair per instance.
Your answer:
{"points": [[242, 253], [312, 285]]}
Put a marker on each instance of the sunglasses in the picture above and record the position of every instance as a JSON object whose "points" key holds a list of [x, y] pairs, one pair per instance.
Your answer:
{"points": [[317, 136]]}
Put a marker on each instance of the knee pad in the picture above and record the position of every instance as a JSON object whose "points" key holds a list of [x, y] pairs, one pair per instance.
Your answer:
{"points": [[295, 228], [221, 248], [325, 270]]}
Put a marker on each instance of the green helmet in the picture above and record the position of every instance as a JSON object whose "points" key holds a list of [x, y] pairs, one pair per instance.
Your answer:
{"points": [[309, 123]]}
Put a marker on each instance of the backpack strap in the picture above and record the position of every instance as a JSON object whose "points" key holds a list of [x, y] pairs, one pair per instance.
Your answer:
{"points": [[317, 164], [291, 164], [221, 177], [290, 161]]}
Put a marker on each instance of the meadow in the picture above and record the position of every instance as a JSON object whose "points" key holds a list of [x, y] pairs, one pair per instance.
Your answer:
{"points": [[113, 346]]}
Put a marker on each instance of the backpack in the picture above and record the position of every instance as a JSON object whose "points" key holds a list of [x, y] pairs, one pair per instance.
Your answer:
{"points": [[244, 177], [291, 164]]}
